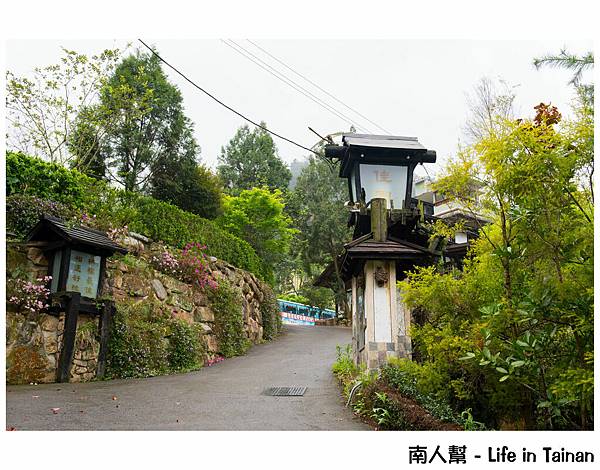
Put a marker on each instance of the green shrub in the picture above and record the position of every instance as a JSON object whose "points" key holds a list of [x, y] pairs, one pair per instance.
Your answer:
{"points": [[35, 177], [295, 298], [146, 341], [163, 221], [24, 211], [137, 346], [185, 346], [271, 319], [226, 303], [344, 367], [403, 375]]}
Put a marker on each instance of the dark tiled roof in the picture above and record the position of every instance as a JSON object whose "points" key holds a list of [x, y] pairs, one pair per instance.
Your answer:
{"points": [[83, 235]]}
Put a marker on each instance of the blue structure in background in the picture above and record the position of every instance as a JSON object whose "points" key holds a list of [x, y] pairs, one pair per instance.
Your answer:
{"points": [[300, 314]]}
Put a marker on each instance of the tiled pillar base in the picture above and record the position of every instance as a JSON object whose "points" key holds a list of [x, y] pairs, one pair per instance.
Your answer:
{"points": [[379, 353], [404, 347]]}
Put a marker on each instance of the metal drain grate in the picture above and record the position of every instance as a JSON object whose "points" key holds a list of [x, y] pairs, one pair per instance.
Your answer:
{"points": [[285, 391]]}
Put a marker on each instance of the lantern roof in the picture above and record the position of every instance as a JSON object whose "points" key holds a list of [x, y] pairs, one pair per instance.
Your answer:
{"points": [[378, 150], [52, 229], [382, 141]]}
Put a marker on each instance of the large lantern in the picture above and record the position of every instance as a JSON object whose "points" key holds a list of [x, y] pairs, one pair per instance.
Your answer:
{"points": [[379, 166]]}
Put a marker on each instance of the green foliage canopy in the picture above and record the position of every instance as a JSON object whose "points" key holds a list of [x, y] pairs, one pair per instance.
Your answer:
{"points": [[250, 160], [257, 216], [511, 336]]}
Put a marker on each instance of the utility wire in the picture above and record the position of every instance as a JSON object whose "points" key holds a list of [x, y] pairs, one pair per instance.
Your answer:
{"points": [[317, 86], [288, 81], [223, 104]]}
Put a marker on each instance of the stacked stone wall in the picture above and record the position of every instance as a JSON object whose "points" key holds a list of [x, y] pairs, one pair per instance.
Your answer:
{"points": [[34, 339]]}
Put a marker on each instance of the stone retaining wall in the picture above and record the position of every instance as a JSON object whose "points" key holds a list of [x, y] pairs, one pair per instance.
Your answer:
{"points": [[34, 340]]}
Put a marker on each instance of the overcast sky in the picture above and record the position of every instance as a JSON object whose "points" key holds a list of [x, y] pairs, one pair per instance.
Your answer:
{"points": [[412, 88]]}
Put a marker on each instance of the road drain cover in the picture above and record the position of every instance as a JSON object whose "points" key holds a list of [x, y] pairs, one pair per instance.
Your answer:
{"points": [[285, 391]]}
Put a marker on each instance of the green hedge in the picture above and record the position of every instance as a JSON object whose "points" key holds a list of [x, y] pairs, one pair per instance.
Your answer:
{"points": [[23, 212], [156, 219], [271, 319], [162, 221], [35, 177]]}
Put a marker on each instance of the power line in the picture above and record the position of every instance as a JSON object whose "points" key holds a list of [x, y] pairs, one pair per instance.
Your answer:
{"points": [[314, 84], [288, 81], [223, 104]]}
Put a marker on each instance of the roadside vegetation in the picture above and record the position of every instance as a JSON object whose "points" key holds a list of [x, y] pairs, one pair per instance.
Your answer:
{"points": [[506, 340]]}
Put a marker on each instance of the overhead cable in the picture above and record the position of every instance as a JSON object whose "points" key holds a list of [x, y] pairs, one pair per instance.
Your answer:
{"points": [[288, 81], [317, 86], [221, 102]]}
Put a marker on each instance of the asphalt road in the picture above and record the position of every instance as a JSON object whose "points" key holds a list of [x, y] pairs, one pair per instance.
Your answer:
{"points": [[226, 396]]}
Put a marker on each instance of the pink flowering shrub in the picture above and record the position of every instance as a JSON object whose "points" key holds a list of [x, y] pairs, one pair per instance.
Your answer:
{"points": [[166, 263], [191, 266], [194, 266], [30, 296]]}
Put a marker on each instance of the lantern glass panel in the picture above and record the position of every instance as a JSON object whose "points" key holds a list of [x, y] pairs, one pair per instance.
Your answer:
{"points": [[384, 181], [84, 273], [460, 237], [56, 270]]}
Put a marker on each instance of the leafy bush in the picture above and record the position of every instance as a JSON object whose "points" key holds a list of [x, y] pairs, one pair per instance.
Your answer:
{"points": [[24, 211], [403, 375], [146, 341], [163, 221], [32, 176], [269, 309], [344, 368], [295, 298], [226, 303], [185, 346]]}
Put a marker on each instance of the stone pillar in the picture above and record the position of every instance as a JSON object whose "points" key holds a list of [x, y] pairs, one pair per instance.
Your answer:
{"points": [[386, 322], [380, 308]]}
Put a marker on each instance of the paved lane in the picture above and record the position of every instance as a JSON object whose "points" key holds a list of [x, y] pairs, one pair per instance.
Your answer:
{"points": [[226, 396]]}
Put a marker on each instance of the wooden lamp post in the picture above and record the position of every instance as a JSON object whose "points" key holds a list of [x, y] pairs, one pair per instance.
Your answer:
{"points": [[386, 241], [77, 264]]}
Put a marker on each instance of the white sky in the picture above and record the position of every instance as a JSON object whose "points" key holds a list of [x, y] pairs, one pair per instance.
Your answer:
{"points": [[410, 87]]}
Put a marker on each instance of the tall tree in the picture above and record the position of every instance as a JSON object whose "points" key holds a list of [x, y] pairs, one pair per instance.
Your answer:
{"points": [[151, 134], [42, 110], [250, 160], [317, 209], [257, 216], [192, 187]]}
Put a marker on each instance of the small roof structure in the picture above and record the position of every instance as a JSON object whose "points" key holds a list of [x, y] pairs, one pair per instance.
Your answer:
{"points": [[53, 229], [366, 247], [363, 248], [380, 149]]}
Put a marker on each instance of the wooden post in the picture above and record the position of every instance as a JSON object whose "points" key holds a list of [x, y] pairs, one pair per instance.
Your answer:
{"points": [[379, 219], [106, 314], [68, 341]]}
